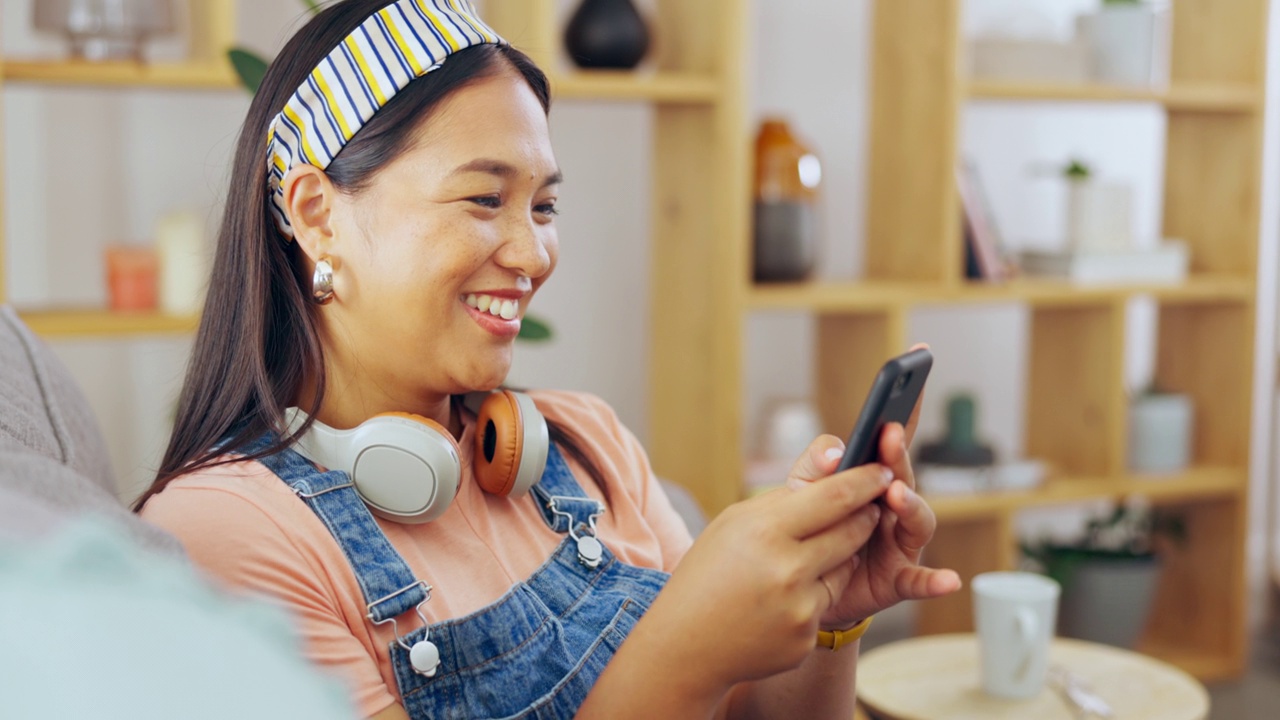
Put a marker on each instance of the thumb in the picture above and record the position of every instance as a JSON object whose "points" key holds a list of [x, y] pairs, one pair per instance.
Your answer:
{"points": [[818, 461]]}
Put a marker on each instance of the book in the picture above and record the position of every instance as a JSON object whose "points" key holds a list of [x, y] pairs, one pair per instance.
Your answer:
{"points": [[981, 235], [1164, 264]]}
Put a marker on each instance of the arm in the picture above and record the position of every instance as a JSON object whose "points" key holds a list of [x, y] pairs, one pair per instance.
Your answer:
{"points": [[744, 603]]}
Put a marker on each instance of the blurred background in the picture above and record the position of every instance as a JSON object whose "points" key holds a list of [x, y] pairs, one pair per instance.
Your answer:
{"points": [[1069, 200]]}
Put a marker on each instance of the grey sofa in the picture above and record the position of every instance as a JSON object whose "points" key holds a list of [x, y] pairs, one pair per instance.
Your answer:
{"points": [[53, 462]]}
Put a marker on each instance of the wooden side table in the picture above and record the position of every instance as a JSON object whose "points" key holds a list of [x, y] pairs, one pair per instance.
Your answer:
{"points": [[939, 676]]}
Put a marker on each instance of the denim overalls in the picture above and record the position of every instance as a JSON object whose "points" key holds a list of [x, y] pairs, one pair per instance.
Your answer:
{"points": [[537, 650]]}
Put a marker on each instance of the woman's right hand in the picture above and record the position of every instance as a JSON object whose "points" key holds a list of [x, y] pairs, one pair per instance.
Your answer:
{"points": [[744, 602]]}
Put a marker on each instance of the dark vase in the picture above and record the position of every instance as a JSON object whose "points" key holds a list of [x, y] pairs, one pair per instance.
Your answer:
{"points": [[606, 34]]}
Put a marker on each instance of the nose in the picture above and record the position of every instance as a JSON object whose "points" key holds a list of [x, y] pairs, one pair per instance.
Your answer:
{"points": [[527, 250]]}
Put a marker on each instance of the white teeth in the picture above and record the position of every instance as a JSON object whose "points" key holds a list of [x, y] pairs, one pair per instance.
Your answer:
{"points": [[497, 307]]}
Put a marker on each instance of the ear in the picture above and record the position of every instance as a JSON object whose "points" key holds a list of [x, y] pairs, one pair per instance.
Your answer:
{"points": [[308, 198]]}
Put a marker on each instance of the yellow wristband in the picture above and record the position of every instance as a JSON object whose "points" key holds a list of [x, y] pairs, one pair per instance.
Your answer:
{"points": [[837, 639]]}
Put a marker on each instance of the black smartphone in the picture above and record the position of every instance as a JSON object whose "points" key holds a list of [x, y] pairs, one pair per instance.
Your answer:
{"points": [[892, 398]]}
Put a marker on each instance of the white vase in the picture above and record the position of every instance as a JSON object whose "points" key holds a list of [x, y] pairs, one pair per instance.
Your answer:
{"points": [[1160, 433], [1099, 216], [1123, 44]]}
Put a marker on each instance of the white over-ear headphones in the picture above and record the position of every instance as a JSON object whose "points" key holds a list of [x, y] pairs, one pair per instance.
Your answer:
{"points": [[407, 468]]}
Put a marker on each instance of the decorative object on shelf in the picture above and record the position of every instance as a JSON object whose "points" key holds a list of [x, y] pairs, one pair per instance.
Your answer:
{"points": [[105, 29], [1012, 59], [960, 446], [606, 34], [1161, 431], [1109, 574], [790, 425], [1166, 264], [251, 67], [788, 176], [1008, 476], [131, 278], [180, 247], [1099, 213], [984, 253], [1128, 43]]}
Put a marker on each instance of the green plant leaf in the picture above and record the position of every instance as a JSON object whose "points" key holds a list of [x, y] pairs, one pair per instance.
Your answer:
{"points": [[249, 66], [312, 5], [534, 330]]}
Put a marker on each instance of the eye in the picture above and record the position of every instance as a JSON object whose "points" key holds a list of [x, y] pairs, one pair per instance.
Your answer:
{"points": [[493, 202], [548, 209]]}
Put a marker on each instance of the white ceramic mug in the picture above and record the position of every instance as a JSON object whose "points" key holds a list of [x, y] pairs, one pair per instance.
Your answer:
{"points": [[1015, 613]]}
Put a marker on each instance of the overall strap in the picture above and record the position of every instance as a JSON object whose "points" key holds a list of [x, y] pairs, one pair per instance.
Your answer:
{"points": [[388, 585], [562, 501]]}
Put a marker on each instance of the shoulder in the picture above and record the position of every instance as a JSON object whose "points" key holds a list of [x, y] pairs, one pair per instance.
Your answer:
{"points": [[574, 408], [229, 513]]}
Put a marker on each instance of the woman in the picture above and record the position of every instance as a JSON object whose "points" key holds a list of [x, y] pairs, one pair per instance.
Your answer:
{"points": [[379, 260]]}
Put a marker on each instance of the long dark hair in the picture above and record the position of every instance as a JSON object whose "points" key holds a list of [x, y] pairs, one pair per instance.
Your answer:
{"points": [[258, 340]]}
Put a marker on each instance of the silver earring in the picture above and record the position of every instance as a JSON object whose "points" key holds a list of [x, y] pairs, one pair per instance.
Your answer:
{"points": [[322, 282]]}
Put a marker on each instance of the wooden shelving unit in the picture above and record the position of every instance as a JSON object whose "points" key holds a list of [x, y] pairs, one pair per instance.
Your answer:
{"points": [[1076, 415], [211, 32], [1224, 98], [104, 323]]}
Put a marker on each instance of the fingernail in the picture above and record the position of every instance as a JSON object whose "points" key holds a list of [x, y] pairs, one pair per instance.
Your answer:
{"points": [[832, 454], [875, 514], [886, 474]]}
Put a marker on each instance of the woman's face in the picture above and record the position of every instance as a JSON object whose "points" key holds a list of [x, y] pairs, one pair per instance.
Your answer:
{"points": [[439, 257]]}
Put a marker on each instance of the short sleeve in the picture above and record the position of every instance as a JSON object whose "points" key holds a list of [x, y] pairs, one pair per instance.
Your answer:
{"points": [[242, 546]]}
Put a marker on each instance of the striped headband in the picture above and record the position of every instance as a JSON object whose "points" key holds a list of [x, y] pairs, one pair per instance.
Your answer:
{"points": [[400, 42]]}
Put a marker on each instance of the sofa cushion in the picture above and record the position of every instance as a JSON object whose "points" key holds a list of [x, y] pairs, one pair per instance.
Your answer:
{"points": [[54, 465], [43, 410]]}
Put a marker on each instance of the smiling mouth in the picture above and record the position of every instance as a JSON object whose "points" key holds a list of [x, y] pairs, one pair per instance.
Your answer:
{"points": [[495, 306]]}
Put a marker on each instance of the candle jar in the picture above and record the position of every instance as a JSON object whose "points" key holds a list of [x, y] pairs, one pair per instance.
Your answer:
{"points": [[131, 278]]}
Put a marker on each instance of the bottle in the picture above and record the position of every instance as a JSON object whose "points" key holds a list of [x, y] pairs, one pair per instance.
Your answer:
{"points": [[788, 176]]}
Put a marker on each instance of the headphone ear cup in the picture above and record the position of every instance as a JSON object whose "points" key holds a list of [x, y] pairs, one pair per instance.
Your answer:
{"points": [[499, 443], [511, 444]]}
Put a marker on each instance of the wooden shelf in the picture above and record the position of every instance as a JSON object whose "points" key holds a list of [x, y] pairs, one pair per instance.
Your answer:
{"points": [[1195, 484], [194, 76], [882, 295], [104, 323], [1200, 98], [684, 88]]}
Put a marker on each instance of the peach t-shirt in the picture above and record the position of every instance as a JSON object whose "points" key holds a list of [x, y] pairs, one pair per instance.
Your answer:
{"points": [[246, 527]]}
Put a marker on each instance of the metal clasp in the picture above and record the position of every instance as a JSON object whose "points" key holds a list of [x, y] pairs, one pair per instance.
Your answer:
{"points": [[590, 549]]}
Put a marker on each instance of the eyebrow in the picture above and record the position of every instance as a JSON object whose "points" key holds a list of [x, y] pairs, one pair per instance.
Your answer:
{"points": [[502, 170]]}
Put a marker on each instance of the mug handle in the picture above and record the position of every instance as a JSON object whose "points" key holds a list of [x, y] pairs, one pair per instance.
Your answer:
{"points": [[1028, 630]]}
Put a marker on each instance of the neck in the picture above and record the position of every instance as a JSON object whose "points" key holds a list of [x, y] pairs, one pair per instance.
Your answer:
{"points": [[350, 398]]}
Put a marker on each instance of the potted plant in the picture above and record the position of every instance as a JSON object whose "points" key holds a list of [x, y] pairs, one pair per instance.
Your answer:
{"points": [[1099, 213], [1109, 574], [251, 67]]}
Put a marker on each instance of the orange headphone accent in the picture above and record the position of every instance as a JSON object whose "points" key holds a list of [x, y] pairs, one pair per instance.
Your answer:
{"points": [[407, 468]]}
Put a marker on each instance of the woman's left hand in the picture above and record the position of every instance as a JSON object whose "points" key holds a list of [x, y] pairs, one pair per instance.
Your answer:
{"points": [[887, 570]]}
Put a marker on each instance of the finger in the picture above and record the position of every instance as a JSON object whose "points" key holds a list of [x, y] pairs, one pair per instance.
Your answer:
{"points": [[826, 551], [818, 461], [915, 412], [922, 583], [817, 505], [893, 453], [839, 577], [915, 522]]}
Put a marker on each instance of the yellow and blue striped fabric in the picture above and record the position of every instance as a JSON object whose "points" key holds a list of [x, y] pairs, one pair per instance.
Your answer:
{"points": [[400, 42]]}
